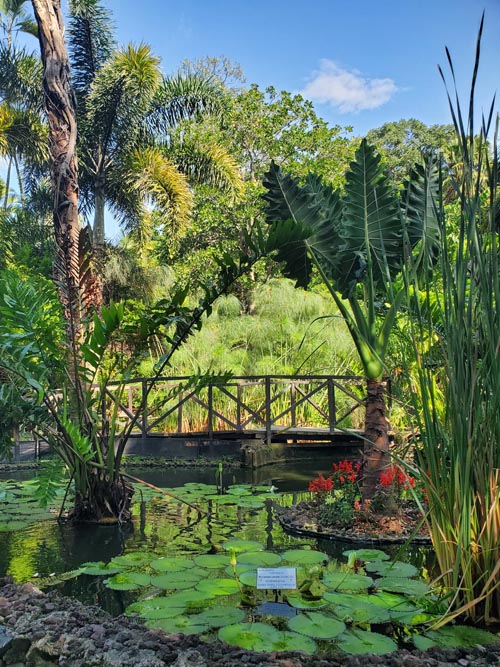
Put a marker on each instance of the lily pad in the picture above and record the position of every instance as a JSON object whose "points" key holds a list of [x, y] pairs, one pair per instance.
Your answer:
{"points": [[192, 599], [128, 581], [240, 546], [361, 641], [352, 608], [300, 602], [251, 503], [99, 569], [396, 569], [154, 608], [219, 616], [402, 585], [176, 580], [305, 556], [188, 625], [132, 559], [293, 641], [175, 564], [218, 586], [316, 625], [456, 635], [248, 578], [212, 561], [259, 558], [346, 581], [365, 554], [250, 636]]}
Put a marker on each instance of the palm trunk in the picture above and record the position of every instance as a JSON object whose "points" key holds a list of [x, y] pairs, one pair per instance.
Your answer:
{"points": [[103, 497], [60, 107], [99, 229], [376, 448]]}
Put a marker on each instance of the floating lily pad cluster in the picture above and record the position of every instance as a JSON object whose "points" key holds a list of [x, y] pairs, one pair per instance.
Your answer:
{"points": [[19, 506], [208, 594], [196, 493]]}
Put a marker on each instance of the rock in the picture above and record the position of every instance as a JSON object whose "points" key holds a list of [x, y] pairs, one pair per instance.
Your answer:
{"points": [[5, 641], [16, 652]]}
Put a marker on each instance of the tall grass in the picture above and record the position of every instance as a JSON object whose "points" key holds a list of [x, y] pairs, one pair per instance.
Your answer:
{"points": [[457, 318]]}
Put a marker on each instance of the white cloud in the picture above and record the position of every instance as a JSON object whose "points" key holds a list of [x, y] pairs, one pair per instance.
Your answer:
{"points": [[347, 90]]}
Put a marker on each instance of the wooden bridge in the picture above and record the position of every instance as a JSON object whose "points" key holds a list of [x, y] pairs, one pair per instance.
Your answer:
{"points": [[272, 407]]}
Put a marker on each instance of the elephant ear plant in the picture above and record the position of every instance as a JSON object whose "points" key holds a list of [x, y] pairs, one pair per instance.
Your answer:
{"points": [[357, 241]]}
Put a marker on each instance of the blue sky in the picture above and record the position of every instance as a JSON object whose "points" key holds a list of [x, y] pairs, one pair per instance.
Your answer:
{"points": [[363, 63]]}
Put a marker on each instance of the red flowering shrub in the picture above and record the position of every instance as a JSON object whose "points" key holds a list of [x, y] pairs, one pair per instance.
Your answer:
{"points": [[321, 484], [396, 477], [346, 472]]}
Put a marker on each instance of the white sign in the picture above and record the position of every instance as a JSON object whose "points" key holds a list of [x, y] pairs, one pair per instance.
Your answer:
{"points": [[276, 577]]}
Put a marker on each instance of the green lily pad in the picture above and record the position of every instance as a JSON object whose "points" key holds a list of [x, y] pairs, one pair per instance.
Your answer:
{"points": [[175, 564], [352, 608], [397, 569], [154, 608], [251, 503], [316, 625], [239, 491], [400, 609], [361, 641], [212, 561], [300, 602], [128, 581], [240, 546], [219, 616], [457, 635], [305, 556], [365, 554], [259, 558], [99, 569], [402, 585], [191, 598], [218, 586], [293, 641], [248, 578], [250, 636], [18, 524], [186, 624], [133, 559], [346, 581], [176, 580]]}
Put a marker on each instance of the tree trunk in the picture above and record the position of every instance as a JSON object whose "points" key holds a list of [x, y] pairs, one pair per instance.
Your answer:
{"points": [[99, 199], [60, 107], [376, 448], [103, 501]]}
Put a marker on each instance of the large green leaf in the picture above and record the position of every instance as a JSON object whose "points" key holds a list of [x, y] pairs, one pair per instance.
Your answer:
{"points": [[371, 229]]}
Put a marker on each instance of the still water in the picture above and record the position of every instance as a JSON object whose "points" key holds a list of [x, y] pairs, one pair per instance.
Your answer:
{"points": [[167, 527]]}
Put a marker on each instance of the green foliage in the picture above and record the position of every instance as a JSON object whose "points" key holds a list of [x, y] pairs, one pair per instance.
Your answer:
{"points": [[455, 339]]}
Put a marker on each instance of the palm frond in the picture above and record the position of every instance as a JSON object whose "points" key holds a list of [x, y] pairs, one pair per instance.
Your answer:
{"points": [[91, 40], [207, 163], [185, 97], [154, 176]]}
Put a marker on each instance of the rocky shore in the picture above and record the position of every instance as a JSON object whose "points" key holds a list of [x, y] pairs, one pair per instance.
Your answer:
{"points": [[43, 630]]}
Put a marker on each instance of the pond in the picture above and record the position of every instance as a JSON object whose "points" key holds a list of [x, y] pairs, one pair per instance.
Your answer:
{"points": [[176, 565]]}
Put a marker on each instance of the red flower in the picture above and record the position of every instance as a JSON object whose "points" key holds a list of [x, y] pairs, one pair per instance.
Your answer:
{"points": [[321, 484]]}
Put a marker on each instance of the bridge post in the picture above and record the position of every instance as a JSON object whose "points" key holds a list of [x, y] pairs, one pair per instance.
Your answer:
{"points": [[293, 406], [332, 416], [268, 410], [144, 404], [210, 411]]}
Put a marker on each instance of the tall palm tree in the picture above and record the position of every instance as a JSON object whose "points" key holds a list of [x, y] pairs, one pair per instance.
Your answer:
{"points": [[126, 111]]}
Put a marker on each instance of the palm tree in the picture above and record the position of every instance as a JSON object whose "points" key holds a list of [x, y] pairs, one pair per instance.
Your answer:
{"points": [[357, 242], [126, 111]]}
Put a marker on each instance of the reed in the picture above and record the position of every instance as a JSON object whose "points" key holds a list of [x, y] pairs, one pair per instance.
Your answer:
{"points": [[456, 342]]}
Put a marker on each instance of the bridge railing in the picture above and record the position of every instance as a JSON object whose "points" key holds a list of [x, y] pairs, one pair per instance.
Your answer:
{"points": [[268, 403]]}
